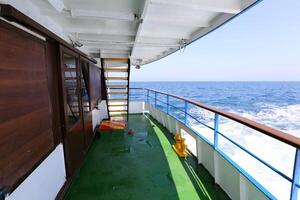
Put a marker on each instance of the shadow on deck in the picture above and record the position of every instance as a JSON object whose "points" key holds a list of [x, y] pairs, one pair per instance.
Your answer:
{"points": [[141, 166]]}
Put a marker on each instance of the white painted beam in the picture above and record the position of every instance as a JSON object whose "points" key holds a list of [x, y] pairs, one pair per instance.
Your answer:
{"points": [[108, 44], [109, 15], [140, 27], [173, 35], [105, 38], [126, 45], [224, 6], [90, 14], [96, 49], [100, 30], [178, 22], [108, 51], [114, 55]]}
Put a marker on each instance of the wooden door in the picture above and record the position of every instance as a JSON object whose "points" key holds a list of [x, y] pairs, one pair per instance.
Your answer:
{"points": [[74, 140]]}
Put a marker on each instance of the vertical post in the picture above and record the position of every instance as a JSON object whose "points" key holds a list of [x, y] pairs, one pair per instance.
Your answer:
{"points": [[296, 176], [155, 99], [185, 112], [167, 104], [216, 129], [148, 96]]}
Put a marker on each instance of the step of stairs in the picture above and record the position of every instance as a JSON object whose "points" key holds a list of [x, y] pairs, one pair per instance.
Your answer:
{"points": [[117, 86], [116, 78], [115, 69], [117, 92]]}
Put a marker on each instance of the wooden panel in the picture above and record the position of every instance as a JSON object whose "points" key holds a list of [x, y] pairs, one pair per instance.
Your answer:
{"points": [[26, 133], [95, 84], [74, 147], [53, 85], [88, 129]]}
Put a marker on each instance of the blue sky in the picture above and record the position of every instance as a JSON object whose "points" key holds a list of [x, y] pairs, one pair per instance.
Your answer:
{"points": [[263, 44]]}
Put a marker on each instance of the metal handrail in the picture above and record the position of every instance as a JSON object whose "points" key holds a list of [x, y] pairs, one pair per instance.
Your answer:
{"points": [[280, 135], [274, 133]]}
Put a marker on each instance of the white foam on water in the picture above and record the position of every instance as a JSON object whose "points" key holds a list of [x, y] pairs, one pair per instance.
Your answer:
{"points": [[277, 154]]}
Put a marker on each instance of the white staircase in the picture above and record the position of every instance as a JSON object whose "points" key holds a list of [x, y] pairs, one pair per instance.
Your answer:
{"points": [[116, 74]]}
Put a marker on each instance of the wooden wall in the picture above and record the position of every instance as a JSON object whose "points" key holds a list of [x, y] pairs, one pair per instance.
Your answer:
{"points": [[25, 122]]}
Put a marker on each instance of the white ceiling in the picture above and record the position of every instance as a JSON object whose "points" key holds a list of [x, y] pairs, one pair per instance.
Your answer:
{"points": [[144, 30]]}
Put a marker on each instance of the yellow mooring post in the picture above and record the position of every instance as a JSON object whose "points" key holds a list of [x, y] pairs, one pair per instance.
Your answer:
{"points": [[180, 145]]}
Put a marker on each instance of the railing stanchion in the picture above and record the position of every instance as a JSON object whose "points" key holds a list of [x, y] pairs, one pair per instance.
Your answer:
{"points": [[216, 129], [155, 99], [185, 112], [296, 176], [167, 104], [148, 96]]}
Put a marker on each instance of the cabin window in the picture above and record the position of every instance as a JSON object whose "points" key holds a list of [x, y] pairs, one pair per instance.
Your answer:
{"points": [[71, 88], [84, 81]]}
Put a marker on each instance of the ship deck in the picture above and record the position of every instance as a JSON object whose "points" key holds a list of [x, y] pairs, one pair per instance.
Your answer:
{"points": [[141, 166]]}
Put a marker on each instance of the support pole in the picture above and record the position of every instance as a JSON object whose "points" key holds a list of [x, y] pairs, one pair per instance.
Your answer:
{"points": [[148, 96], [216, 129], [296, 176], [155, 99], [167, 104], [185, 112]]}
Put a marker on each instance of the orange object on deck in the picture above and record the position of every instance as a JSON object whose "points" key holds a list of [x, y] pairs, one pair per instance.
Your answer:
{"points": [[180, 146], [112, 125], [130, 132]]}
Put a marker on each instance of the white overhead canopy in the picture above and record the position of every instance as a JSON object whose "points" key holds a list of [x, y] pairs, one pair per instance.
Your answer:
{"points": [[144, 30]]}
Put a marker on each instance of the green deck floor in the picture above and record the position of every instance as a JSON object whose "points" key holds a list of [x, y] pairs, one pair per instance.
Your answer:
{"points": [[140, 167]]}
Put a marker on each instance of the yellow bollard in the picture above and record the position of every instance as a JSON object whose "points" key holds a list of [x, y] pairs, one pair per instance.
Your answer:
{"points": [[180, 145]]}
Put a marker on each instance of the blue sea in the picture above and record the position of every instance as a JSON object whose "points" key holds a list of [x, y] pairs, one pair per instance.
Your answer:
{"points": [[276, 104]]}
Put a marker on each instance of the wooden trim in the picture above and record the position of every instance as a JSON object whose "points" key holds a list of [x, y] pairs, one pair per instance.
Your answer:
{"points": [[274, 133], [12, 14], [18, 30]]}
